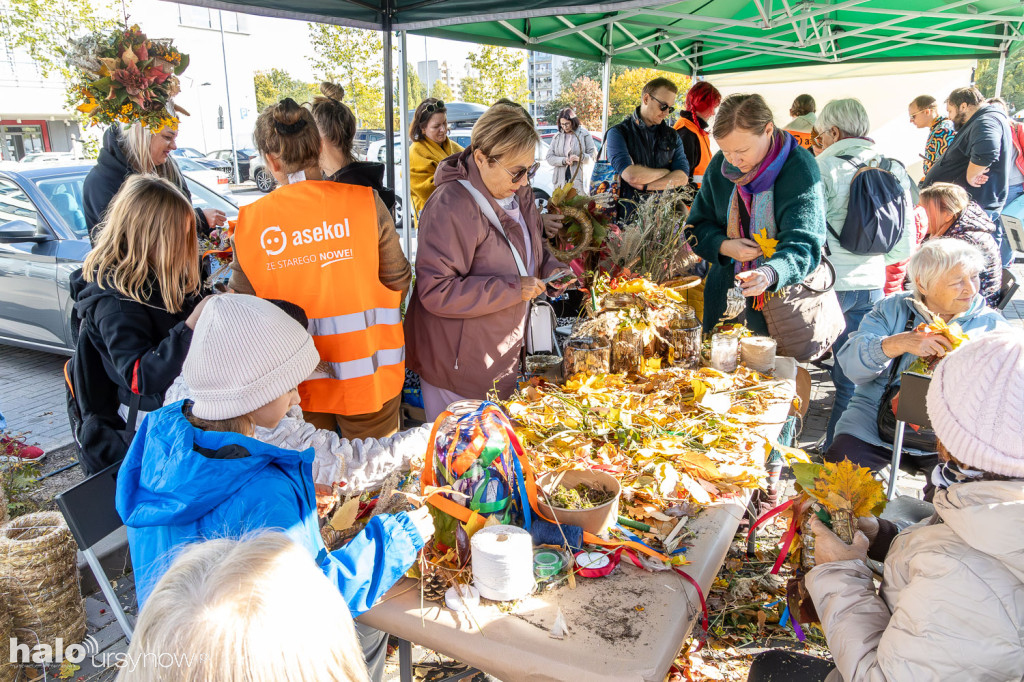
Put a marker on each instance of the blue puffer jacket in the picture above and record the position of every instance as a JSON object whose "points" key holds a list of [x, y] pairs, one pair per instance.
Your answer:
{"points": [[179, 484], [868, 367]]}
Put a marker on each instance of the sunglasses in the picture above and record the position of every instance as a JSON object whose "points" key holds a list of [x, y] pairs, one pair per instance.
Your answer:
{"points": [[520, 174], [664, 107], [914, 115], [433, 107]]}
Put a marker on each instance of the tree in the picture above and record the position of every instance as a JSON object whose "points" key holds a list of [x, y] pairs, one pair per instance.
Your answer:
{"points": [[274, 85], [497, 72], [584, 96], [574, 69], [1013, 79], [441, 91], [417, 90], [354, 58], [43, 28], [626, 88]]}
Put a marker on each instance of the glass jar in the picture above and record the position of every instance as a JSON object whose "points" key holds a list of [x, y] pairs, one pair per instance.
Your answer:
{"points": [[685, 337], [724, 351], [587, 355], [545, 366]]}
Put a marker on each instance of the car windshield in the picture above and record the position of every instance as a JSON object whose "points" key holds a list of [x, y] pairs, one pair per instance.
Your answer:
{"points": [[65, 194]]}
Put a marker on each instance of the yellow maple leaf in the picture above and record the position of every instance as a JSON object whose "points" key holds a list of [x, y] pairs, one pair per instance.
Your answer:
{"points": [[849, 488], [67, 670], [767, 245]]}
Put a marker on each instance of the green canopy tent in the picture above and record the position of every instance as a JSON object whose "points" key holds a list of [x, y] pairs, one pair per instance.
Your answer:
{"points": [[696, 37]]}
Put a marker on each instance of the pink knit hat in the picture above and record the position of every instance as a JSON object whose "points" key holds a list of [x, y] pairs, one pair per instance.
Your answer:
{"points": [[976, 403]]}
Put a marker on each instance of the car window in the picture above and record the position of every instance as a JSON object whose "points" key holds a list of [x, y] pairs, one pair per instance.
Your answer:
{"points": [[203, 197], [65, 195], [15, 205]]}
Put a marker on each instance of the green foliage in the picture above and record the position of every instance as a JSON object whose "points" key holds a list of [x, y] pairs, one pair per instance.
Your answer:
{"points": [[574, 69], [274, 85], [354, 58], [584, 96], [19, 481], [1013, 79], [415, 87], [441, 91], [498, 72], [625, 90], [44, 28]]}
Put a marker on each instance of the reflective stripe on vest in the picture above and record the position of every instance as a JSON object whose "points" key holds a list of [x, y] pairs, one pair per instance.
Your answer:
{"points": [[697, 174], [354, 322], [364, 367], [316, 244]]}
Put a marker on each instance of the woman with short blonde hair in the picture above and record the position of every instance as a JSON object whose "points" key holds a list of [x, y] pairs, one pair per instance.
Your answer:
{"points": [[138, 298], [255, 610], [480, 262]]}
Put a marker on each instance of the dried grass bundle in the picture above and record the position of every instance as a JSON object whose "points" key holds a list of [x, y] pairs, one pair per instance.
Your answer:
{"points": [[653, 243], [39, 579]]}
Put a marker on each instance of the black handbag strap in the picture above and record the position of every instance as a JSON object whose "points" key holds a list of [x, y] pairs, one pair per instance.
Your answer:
{"points": [[895, 370], [133, 413]]}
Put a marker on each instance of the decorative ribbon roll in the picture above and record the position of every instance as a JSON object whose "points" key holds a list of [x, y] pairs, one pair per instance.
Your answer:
{"points": [[502, 562], [596, 564], [548, 563]]}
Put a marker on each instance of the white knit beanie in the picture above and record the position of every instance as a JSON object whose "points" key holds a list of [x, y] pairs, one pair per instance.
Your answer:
{"points": [[245, 353], [976, 403]]}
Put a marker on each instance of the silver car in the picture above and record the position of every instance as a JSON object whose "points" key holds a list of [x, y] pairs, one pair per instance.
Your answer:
{"points": [[43, 239]]}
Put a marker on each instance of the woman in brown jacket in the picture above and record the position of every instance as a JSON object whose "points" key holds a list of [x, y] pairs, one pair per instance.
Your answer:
{"points": [[467, 318]]}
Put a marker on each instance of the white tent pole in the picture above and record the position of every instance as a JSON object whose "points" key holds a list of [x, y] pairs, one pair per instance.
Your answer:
{"points": [[227, 90], [403, 120], [999, 73], [389, 107], [606, 76]]}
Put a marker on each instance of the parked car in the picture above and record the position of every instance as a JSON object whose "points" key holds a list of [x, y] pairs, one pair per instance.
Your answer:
{"points": [[460, 114], [245, 157], [208, 176], [48, 157], [260, 175], [43, 239], [362, 141], [200, 158]]}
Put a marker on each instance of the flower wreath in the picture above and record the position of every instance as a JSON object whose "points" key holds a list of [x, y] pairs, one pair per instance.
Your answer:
{"points": [[125, 77]]}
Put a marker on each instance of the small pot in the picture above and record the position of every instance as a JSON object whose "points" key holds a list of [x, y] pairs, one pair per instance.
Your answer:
{"points": [[595, 520]]}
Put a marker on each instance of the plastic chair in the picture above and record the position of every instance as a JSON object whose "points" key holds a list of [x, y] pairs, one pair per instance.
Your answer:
{"points": [[911, 409], [91, 515]]}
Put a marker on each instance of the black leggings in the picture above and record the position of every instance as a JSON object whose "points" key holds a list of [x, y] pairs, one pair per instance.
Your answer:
{"points": [[779, 665]]}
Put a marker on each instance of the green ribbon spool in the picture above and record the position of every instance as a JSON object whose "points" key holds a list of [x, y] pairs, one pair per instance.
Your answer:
{"points": [[547, 563]]}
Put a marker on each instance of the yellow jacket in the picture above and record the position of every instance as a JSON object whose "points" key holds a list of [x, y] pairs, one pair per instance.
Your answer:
{"points": [[424, 155]]}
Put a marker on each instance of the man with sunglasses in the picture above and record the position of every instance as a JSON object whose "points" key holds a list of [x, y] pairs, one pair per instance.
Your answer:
{"points": [[646, 151]]}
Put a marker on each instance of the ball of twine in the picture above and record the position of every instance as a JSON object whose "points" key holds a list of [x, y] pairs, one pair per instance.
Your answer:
{"points": [[8, 670], [39, 579]]}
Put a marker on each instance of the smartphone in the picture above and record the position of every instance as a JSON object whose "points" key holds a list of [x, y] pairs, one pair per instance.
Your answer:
{"points": [[559, 278]]}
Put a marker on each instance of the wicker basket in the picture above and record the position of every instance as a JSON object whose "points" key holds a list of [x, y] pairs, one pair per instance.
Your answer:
{"points": [[39, 580], [8, 670]]}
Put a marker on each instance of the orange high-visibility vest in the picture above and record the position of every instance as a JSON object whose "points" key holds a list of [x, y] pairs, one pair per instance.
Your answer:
{"points": [[697, 174], [805, 140], [315, 244]]}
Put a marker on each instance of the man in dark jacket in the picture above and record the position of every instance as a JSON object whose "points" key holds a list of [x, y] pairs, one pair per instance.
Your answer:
{"points": [[646, 151], [979, 157], [112, 169]]}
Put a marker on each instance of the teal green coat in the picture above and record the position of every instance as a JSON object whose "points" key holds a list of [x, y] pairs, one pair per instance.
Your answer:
{"points": [[799, 216]]}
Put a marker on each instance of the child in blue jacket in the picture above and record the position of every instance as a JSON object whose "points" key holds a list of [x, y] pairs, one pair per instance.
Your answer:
{"points": [[194, 471]]}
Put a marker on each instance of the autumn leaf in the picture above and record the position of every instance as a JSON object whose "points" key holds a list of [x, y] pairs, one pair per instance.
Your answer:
{"points": [[767, 245], [68, 670], [848, 488]]}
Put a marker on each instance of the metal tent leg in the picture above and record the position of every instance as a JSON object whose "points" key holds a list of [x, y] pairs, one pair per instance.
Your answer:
{"points": [[897, 453], [108, 592]]}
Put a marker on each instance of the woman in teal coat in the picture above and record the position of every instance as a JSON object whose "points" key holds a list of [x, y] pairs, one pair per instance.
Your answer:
{"points": [[759, 218]]}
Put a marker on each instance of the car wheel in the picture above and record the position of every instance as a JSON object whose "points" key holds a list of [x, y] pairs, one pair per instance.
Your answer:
{"points": [[399, 214], [264, 180]]}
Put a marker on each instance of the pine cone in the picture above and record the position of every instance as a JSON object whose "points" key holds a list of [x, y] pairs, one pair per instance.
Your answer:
{"points": [[332, 538], [434, 585]]}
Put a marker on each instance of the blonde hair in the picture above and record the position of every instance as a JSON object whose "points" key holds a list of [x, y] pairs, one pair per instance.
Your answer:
{"points": [[135, 143], [951, 198], [504, 129], [149, 233], [289, 132], [255, 610]]}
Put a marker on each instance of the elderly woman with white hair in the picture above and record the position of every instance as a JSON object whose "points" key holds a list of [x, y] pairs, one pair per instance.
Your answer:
{"points": [[945, 276], [841, 130]]}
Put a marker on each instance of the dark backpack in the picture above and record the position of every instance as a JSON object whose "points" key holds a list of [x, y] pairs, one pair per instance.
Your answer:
{"points": [[101, 436], [876, 212]]}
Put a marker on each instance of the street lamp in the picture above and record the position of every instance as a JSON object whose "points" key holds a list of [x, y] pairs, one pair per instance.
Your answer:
{"points": [[202, 119]]}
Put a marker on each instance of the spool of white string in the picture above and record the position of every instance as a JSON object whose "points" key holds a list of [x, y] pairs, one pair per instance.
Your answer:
{"points": [[502, 562]]}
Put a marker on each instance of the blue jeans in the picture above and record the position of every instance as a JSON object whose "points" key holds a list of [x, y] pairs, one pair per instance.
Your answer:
{"points": [[855, 305], [1005, 249]]}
